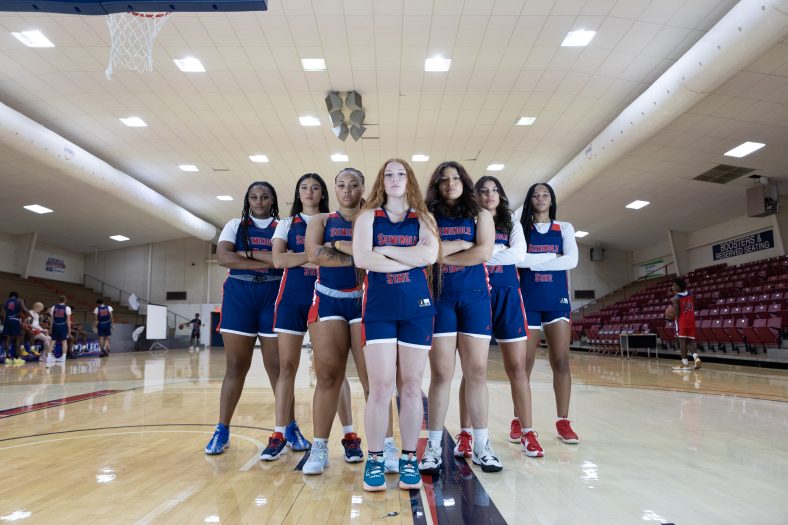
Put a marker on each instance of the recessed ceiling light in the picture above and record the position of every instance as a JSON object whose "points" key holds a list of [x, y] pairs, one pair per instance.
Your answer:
{"points": [[437, 63], [525, 121], [420, 158], [33, 39], [580, 233], [134, 122], [224, 197], [745, 149], [495, 167], [313, 64], [339, 157], [37, 208], [308, 120], [119, 238], [636, 205], [188, 167], [578, 38], [189, 65], [258, 158]]}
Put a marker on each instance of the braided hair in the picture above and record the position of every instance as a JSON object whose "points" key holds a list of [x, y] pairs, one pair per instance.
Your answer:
{"points": [[246, 216], [503, 214], [527, 218]]}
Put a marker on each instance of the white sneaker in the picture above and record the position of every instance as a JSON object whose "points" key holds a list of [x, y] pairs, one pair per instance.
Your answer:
{"points": [[431, 460], [390, 458], [318, 459], [486, 458], [191, 348], [50, 360]]}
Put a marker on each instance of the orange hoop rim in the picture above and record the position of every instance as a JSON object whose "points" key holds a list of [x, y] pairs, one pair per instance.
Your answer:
{"points": [[149, 15]]}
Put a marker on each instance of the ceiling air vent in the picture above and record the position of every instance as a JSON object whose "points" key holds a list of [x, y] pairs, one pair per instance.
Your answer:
{"points": [[723, 174]]}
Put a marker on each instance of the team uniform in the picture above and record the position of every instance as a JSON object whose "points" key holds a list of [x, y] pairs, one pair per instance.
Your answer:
{"points": [[398, 306], [337, 293], [196, 325], [12, 327], [464, 302], [249, 295], [298, 283], [60, 314], [544, 276], [685, 320], [508, 312], [103, 313]]}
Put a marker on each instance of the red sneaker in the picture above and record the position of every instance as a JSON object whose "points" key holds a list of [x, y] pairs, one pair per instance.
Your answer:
{"points": [[565, 432], [464, 448], [515, 431], [531, 446]]}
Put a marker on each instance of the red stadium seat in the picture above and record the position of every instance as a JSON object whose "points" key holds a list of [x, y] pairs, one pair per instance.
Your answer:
{"points": [[732, 331]]}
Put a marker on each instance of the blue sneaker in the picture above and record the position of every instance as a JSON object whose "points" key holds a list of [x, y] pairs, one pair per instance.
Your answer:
{"points": [[295, 439], [219, 442], [275, 448], [374, 475], [352, 445], [409, 475]]}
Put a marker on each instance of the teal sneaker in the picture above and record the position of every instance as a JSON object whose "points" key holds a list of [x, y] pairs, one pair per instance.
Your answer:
{"points": [[374, 475], [409, 475]]}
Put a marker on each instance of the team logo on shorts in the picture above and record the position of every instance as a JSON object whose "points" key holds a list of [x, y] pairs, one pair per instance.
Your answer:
{"points": [[424, 302], [564, 301]]}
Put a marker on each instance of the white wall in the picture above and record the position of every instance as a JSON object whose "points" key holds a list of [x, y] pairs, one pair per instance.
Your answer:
{"points": [[14, 250], [699, 242], [601, 276], [650, 254], [8, 254]]}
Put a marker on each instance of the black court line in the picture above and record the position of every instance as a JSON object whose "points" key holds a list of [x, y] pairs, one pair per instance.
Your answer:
{"points": [[127, 426]]}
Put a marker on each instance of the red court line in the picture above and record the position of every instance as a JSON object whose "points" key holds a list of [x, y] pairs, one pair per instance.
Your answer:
{"points": [[54, 403]]}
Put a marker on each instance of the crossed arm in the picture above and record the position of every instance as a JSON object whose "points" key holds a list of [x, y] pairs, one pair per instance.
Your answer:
{"points": [[322, 254], [391, 258], [229, 257], [464, 253]]}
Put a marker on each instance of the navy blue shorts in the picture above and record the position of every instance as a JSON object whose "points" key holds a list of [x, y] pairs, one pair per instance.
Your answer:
{"points": [[537, 319], [104, 330], [412, 332], [464, 312], [248, 307], [508, 313], [12, 328], [60, 332], [327, 308], [291, 318]]}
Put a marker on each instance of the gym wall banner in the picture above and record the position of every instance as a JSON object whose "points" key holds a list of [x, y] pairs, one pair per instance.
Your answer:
{"points": [[754, 242], [55, 265]]}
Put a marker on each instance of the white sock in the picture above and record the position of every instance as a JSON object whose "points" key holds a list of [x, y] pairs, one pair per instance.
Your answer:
{"points": [[695, 355], [527, 430], [279, 429], [435, 437], [347, 429], [515, 418], [468, 430], [684, 362], [321, 440], [389, 440], [480, 436]]}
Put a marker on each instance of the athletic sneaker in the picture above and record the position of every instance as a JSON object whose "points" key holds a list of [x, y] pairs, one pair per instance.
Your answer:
{"points": [[464, 447], [352, 444], [275, 448], [390, 457], [318, 459], [531, 446], [486, 458], [565, 432], [374, 476], [684, 368], [409, 475], [295, 439], [191, 348], [431, 460], [218, 443], [697, 362], [515, 431], [50, 360]]}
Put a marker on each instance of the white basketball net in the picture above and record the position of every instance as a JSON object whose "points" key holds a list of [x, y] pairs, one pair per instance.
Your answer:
{"points": [[132, 36]]}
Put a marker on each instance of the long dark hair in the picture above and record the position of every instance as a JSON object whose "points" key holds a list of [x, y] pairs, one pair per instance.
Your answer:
{"points": [[246, 215], [527, 218], [467, 206], [298, 206], [503, 214]]}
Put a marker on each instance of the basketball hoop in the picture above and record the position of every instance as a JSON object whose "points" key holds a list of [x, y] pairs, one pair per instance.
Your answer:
{"points": [[132, 35]]}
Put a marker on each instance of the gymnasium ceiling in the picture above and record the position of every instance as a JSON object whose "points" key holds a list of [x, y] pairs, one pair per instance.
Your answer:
{"points": [[506, 63]]}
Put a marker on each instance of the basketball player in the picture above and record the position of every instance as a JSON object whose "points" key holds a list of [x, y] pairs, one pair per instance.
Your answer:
{"points": [[104, 324], [292, 306], [396, 240], [41, 334], [463, 320], [194, 339], [509, 324], [13, 310], [61, 326], [682, 312], [552, 251], [248, 298]]}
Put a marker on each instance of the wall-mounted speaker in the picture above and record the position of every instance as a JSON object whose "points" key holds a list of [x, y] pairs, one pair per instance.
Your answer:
{"points": [[597, 253]]}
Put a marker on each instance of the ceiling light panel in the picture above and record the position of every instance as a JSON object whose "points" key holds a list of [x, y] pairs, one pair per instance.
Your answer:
{"points": [[188, 167], [636, 205], [189, 65], [339, 157], [134, 122], [313, 64], [33, 38], [37, 208], [258, 158], [742, 150], [308, 121], [437, 63], [119, 238], [495, 167], [579, 38]]}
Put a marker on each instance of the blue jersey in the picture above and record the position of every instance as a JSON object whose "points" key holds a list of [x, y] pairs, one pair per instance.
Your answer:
{"points": [[298, 283], [396, 296], [338, 277], [59, 315], [259, 241], [103, 314], [545, 291], [503, 275], [460, 278], [12, 309]]}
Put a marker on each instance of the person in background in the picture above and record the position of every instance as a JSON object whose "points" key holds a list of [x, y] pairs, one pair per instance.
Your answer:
{"points": [[11, 316], [194, 340], [104, 322], [682, 313], [61, 326]]}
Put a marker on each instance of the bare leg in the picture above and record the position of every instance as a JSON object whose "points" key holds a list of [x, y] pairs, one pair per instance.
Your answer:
{"points": [[289, 359], [558, 336], [382, 380], [411, 364], [442, 360], [331, 344], [361, 367], [238, 352], [514, 362]]}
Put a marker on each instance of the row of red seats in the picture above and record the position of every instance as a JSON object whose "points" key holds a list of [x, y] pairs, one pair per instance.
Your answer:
{"points": [[735, 332]]}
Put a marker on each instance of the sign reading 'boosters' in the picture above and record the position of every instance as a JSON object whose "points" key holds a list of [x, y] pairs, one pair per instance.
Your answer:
{"points": [[755, 242]]}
